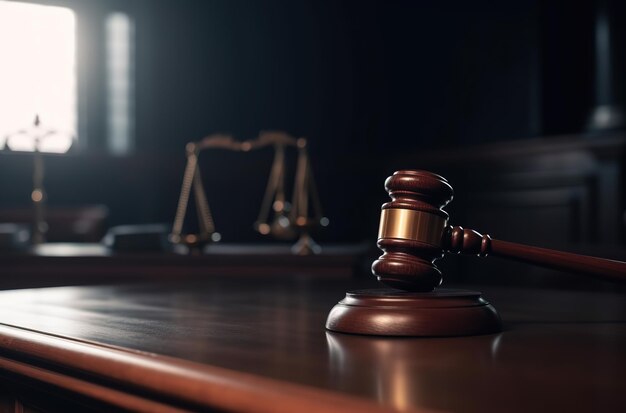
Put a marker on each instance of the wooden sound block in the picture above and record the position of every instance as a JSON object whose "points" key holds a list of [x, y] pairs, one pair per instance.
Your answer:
{"points": [[389, 312]]}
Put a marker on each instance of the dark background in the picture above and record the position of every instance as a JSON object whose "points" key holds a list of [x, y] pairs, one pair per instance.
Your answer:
{"points": [[366, 82]]}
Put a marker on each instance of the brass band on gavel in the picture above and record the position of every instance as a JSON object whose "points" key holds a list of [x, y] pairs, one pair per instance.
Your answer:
{"points": [[412, 225]]}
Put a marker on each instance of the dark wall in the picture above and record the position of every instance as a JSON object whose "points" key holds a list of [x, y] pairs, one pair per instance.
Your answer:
{"points": [[357, 74], [363, 81], [242, 67]]}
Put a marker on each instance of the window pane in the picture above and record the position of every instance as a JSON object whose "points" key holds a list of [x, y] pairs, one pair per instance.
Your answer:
{"points": [[119, 46], [37, 75]]}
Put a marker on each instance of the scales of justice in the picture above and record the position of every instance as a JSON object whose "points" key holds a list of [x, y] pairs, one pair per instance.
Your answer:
{"points": [[278, 217]]}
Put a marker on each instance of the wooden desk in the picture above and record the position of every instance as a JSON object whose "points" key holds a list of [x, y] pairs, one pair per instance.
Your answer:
{"points": [[247, 344], [60, 264]]}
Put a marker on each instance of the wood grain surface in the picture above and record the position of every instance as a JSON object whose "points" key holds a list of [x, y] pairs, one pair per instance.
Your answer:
{"points": [[252, 344]]}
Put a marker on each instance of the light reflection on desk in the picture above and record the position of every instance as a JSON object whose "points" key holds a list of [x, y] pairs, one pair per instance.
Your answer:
{"points": [[406, 372]]}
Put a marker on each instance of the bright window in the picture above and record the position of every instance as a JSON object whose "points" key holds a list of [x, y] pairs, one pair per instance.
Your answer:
{"points": [[119, 49], [37, 77]]}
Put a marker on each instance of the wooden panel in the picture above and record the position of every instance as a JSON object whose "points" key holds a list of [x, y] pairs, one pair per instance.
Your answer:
{"points": [[7, 402], [565, 193], [20, 396], [83, 264], [581, 175], [535, 213]]}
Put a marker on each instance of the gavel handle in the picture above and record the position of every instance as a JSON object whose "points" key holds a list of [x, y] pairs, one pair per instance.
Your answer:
{"points": [[467, 241]]}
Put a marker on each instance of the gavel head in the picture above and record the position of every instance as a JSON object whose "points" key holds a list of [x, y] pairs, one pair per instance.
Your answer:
{"points": [[411, 230]]}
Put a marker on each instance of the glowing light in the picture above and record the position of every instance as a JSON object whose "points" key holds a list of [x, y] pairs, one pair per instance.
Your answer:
{"points": [[119, 30], [37, 74], [264, 229], [278, 205], [37, 195]]}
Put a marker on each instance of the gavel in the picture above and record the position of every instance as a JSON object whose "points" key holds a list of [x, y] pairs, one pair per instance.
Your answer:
{"points": [[414, 232]]}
